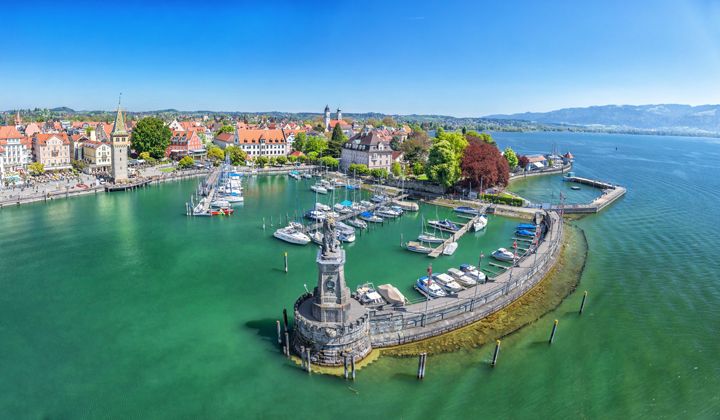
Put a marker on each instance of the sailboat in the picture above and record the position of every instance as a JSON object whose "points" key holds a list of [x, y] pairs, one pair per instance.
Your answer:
{"points": [[426, 236]]}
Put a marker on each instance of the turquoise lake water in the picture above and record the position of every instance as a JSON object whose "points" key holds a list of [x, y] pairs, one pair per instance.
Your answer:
{"points": [[118, 305]]}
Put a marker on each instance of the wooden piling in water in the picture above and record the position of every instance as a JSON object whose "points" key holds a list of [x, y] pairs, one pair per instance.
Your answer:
{"points": [[352, 363], [582, 304], [285, 319], [286, 262], [345, 364], [287, 344], [552, 333], [307, 362], [279, 333], [422, 360], [496, 353]]}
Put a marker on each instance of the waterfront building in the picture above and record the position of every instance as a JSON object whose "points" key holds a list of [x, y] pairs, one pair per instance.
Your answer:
{"points": [[120, 140], [15, 150], [255, 142], [52, 150], [536, 162], [185, 143], [368, 147], [97, 155]]}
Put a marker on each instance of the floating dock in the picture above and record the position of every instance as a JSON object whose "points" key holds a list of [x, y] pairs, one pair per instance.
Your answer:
{"points": [[611, 193]]}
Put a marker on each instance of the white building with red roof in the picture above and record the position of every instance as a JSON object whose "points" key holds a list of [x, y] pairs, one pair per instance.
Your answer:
{"points": [[15, 150], [255, 142]]}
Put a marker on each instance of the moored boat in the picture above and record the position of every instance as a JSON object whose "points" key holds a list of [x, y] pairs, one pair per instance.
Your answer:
{"points": [[466, 210], [480, 223], [473, 273], [370, 217], [462, 278], [360, 224], [431, 239], [293, 234], [429, 288], [502, 254], [526, 226], [319, 189], [445, 225], [367, 295], [294, 175], [447, 282], [418, 247], [391, 294], [407, 205], [450, 248], [524, 232]]}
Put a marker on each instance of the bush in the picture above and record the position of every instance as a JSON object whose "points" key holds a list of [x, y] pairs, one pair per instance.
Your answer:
{"points": [[503, 199], [281, 160], [359, 169], [379, 173], [186, 162]]}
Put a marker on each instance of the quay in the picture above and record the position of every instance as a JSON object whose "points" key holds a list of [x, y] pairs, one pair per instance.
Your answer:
{"points": [[611, 193], [334, 326], [129, 186]]}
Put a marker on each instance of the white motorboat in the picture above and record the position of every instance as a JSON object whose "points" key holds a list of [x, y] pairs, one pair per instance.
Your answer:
{"points": [[450, 248], [391, 294], [444, 225], [430, 239], [343, 228], [293, 234], [366, 204], [306, 175], [480, 223], [472, 272], [319, 189], [322, 207], [407, 205], [447, 282], [345, 237], [429, 288], [232, 198], [367, 295], [360, 224], [418, 247], [316, 237], [502, 254], [461, 277], [387, 213], [220, 203], [294, 175]]}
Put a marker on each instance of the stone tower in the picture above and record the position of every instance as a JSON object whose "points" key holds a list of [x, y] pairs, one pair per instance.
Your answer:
{"points": [[327, 118], [329, 321], [332, 296], [339, 114], [119, 142]]}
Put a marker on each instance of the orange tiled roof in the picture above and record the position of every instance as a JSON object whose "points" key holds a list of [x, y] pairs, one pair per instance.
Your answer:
{"points": [[9, 132], [42, 138]]}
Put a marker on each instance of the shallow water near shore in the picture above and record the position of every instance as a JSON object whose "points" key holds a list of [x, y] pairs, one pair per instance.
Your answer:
{"points": [[118, 305]]}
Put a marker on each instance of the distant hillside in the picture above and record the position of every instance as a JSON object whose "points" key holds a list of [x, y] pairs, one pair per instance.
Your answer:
{"points": [[664, 117]]}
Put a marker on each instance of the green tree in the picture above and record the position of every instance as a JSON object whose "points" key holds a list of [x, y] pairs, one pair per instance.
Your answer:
{"points": [[358, 169], [315, 144], [281, 160], [379, 173], [456, 140], [396, 169], [300, 141], [237, 155], [144, 156], [151, 135], [312, 156], [418, 169], [36, 168], [215, 153], [443, 164], [330, 162], [511, 157], [225, 129], [389, 121], [261, 161], [78, 165], [336, 141], [186, 162], [484, 137], [416, 147]]}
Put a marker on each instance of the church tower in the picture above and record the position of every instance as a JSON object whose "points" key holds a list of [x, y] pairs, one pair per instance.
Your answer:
{"points": [[327, 118], [119, 142], [18, 119], [339, 114]]}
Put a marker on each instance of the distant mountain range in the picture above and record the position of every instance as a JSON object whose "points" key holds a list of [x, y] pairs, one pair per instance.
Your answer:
{"points": [[663, 117]]}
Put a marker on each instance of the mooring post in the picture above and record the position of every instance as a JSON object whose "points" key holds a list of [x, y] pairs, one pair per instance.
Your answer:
{"points": [[286, 262], [307, 365], [552, 333], [345, 364], [287, 344], [279, 334], [497, 352], [285, 318], [420, 366], [352, 361], [302, 357], [582, 304]]}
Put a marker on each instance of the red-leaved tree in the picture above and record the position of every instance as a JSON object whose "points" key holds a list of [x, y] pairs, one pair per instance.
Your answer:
{"points": [[483, 161], [523, 161]]}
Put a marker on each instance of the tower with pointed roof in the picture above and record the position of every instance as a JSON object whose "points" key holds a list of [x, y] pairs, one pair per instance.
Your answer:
{"points": [[18, 119], [327, 118], [119, 141]]}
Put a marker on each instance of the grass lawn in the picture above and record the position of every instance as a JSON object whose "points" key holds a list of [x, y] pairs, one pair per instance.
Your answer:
{"points": [[167, 170], [422, 177]]}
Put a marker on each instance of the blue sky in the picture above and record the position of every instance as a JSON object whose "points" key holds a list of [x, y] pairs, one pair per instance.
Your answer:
{"points": [[444, 57]]}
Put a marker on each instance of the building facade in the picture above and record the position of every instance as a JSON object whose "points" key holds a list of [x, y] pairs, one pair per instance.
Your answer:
{"points": [[255, 142], [184, 143], [52, 150], [97, 155], [367, 148], [15, 150]]}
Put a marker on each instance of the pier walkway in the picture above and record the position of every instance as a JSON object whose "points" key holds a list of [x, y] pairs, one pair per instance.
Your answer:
{"points": [[318, 225], [455, 236]]}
